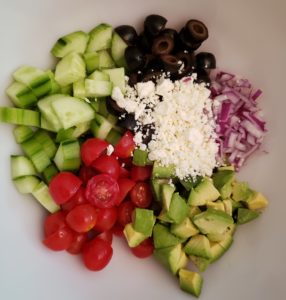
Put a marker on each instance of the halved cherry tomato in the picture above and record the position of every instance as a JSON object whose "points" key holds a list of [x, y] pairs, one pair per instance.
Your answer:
{"points": [[77, 199], [107, 164], [125, 146], [60, 239], [77, 244], [91, 149], [126, 162], [123, 173], [125, 210], [97, 254], [125, 186], [102, 191], [82, 218], [141, 173], [63, 186], [141, 195], [85, 173], [106, 235], [105, 218], [143, 250], [54, 222], [117, 230]]}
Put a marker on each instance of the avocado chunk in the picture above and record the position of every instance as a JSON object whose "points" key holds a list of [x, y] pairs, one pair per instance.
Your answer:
{"points": [[163, 237], [200, 262], [212, 221], [144, 221], [218, 205], [178, 209], [219, 248], [223, 182], [133, 237], [190, 282], [241, 191], [193, 210], [203, 193], [162, 171], [198, 245], [227, 203], [164, 218], [156, 185], [185, 229], [230, 167], [167, 192], [256, 201], [245, 215], [218, 237]]}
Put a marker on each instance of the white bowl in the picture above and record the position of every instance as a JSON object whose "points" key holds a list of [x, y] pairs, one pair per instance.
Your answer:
{"points": [[248, 38]]}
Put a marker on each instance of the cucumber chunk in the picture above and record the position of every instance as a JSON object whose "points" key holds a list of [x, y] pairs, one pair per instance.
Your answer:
{"points": [[21, 166], [21, 95], [98, 88], [105, 60], [26, 184], [50, 172], [22, 133], [67, 90], [19, 116], [100, 127], [100, 38], [113, 137], [118, 47], [46, 142], [98, 75], [79, 89], [55, 87], [73, 42], [73, 132], [91, 60], [117, 77], [47, 125]]}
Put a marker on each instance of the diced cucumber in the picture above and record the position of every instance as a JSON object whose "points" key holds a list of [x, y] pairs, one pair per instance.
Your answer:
{"points": [[55, 87], [79, 89], [91, 60], [98, 75], [36, 153], [102, 109], [68, 156], [19, 116], [73, 42], [22, 133], [26, 184], [98, 88], [100, 126], [36, 79], [50, 172], [21, 166], [113, 137], [100, 38], [105, 60], [112, 119], [43, 196], [73, 132], [70, 69], [80, 129], [46, 142], [117, 77], [21, 95], [118, 47], [67, 90], [95, 105], [47, 125], [140, 157], [72, 111]]}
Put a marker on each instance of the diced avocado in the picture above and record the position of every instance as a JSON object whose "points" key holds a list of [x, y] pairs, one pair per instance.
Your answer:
{"points": [[144, 221], [133, 237], [203, 193], [218, 205], [193, 210], [230, 167], [236, 205], [212, 221], [227, 206], [178, 209], [156, 185], [167, 192], [162, 171], [218, 237], [240, 191], [223, 182], [163, 237], [256, 201], [185, 229], [190, 282], [140, 157], [198, 245], [187, 183], [164, 218], [245, 215], [200, 262]]}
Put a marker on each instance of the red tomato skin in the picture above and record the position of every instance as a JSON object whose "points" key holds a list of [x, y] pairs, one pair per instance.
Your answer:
{"points": [[125, 211], [107, 164], [97, 254], [91, 149], [125, 146], [106, 235], [117, 230], [143, 250], [105, 219], [102, 191], [77, 199], [63, 186], [125, 186], [54, 222], [141, 195], [85, 173], [77, 243], [59, 240], [81, 218], [141, 173], [123, 173]]}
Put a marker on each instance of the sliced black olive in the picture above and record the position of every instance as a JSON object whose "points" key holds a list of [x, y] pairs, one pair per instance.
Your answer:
{"points": [[113, 108], [127, 33], [152, 75], [189, 63], [147, 132], [144, 42], [128, 122], [206, 60], [203, 76], [187, 41], [133, 79], [153, 63], [197, 31], [162, 44], [172, 33], [154, 24], [134, 58], [171, 63]]}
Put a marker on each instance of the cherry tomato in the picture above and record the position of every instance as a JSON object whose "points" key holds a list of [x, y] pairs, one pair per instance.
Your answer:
{"points": [[105, 219], [63, 186], [143, 250], [141, 195], [102, 191], [126, 162], [91, 149], [81, 218], [77, 243], [97, 254], [106, 235], [123, 173], [54, 222], [125, 210], [141, 173], [85, 173], [117, 230], [125, 186], [107, 164], [60, 239], [77, 199], [125, 146]]}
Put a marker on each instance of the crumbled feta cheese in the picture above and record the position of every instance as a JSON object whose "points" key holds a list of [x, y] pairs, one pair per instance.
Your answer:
{"points": [[145, 89], [109, 150]]}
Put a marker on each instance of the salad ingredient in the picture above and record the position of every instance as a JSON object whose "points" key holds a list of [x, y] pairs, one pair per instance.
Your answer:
{"points": [[141, 195], [190, 282], [125, 211], [22, 133], [143, 221], [19, 116], [127, 33], [118, 46], [26, 184], [144, 249], [77, 199], [245, 215], [141, 173], [205, 60], [107, 164], [54, 222], [105, 219], [77, 243], [60, 240], [197, 30], [106, 235], [133, 237], [125, 146], [162, 45], [21, 166], [188, 42], [125, 186], [100, 38], [91, 149], [134, 58], [154, 24]]}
